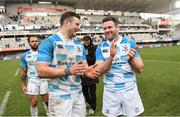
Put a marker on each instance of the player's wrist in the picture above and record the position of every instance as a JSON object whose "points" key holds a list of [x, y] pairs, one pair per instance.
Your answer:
{"points": [[111, 58], [130, 58], [67, 71]]}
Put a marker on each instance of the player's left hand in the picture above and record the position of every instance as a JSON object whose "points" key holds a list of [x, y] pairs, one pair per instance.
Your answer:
{"points": [[131, 53], [113, 48]]}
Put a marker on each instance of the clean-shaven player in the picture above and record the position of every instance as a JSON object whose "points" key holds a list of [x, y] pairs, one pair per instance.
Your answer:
{"points": [[119, 59]]}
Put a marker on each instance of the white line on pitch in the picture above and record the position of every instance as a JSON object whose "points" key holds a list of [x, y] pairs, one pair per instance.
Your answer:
{"points": [[4, 102], [17, 71], [159, 61]]}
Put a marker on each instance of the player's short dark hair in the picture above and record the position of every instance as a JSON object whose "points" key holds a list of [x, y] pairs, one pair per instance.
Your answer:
{"points": [[86, 37], [29, 37], [110, 18], [68, 15]]}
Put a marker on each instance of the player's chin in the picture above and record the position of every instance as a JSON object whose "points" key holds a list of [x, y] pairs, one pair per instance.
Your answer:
{"points": [[35, 47], [74, 34], [108, 35]]}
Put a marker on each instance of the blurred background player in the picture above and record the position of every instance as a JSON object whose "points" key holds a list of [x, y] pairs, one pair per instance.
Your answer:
{"points": [[89, 85], [34, 86]]}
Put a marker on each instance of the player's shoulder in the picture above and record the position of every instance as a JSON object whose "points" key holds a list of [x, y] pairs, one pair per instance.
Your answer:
{"points": [[126, 40], [104, 44], [77, 41], [27, 52], [51, 39]]}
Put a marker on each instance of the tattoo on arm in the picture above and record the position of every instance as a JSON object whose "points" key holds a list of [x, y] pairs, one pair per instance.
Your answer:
{"points": [[23, 77]]}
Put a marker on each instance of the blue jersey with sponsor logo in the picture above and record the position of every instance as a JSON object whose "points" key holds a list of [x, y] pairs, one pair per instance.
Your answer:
{"points": [[120, 77], [60, 54]]}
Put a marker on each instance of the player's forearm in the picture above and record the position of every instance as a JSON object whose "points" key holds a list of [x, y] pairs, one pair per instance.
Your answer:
{"points": [[49, 72], [23, 77], [105, 66], [137, 65]]}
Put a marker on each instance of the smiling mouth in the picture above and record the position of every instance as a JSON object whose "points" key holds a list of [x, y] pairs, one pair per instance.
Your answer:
{"points": [[108, 34]]}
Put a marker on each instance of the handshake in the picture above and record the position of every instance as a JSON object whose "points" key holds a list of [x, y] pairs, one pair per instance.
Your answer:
{"points": [[81, 68]]}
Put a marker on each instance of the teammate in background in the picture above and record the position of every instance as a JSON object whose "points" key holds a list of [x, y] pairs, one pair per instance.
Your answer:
{"points": [[31, 84], [62, 58], [119, 59], [89, 85]]}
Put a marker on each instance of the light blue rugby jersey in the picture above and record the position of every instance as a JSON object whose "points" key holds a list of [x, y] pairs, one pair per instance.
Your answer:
{"points": [[61, 54], [120, 77], [29, 60]]}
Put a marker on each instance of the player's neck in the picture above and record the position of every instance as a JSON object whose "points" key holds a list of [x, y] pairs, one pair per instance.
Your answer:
{"points": [[33, 50], [65, 35]]}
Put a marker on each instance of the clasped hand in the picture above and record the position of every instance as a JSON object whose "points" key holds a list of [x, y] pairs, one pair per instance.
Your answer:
{"points": [[80, 69]]}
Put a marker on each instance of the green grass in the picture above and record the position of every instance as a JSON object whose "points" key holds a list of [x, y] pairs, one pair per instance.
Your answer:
{"points": [[159, 85], [18, 103]]}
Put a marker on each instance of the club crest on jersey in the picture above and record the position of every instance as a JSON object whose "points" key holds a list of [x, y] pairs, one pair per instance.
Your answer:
{"points": [[105, 50], [125, 48], [29, 58], [78, 49]]}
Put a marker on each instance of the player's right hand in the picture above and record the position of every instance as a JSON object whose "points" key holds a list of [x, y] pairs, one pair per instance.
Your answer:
{"points": [[78, 68], [113, 48]]}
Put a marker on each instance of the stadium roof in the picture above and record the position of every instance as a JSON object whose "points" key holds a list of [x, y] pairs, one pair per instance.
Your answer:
{"points": [[151, 6]]}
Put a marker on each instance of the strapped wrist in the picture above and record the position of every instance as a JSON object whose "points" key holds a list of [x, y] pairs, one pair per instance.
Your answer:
{"points": [[67, 71]]}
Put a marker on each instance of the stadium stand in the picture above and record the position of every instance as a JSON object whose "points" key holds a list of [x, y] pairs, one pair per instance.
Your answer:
{"points": [[18, 22], [153, 24]]}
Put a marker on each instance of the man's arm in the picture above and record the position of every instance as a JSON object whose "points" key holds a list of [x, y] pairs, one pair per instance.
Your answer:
{"points": [[90, 71], [45, 71], [105, 66], [23, 79], [135, 62]]}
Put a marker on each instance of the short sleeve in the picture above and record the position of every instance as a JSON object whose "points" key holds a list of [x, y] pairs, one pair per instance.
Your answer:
{"points": [[99, 56], [23, 61], [133, 45], [45, 51]]}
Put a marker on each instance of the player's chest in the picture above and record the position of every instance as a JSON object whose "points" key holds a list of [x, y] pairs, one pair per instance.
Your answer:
{"points": [[121, 50], [31, 59], [67, 48]]}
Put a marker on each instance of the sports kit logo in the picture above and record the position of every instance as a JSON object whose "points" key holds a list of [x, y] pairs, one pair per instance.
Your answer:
{"points": [[60, 46]]}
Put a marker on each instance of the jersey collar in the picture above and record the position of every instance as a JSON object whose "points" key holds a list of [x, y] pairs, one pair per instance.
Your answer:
{"points": [[61, 36], [110, 42]]}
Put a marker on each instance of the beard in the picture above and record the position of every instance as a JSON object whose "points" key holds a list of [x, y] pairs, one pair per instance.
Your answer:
{"points": [[85, 45], [34, 47], [72, 33], [111, 36]]}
